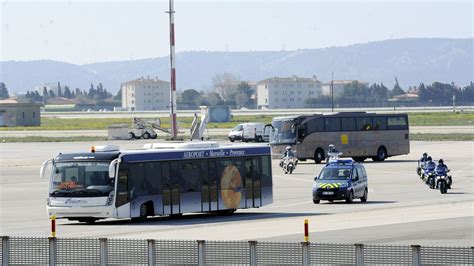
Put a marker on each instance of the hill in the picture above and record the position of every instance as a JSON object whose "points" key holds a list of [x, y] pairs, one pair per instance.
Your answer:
{"points": [[411, 60]]}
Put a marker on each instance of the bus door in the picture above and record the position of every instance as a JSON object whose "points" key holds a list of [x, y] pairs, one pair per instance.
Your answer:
{"points": [[123, 195], [252, 183], [171, 203], [209, 189]]}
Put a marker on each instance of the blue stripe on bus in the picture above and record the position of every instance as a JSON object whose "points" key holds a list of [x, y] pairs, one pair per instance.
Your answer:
{"points": [[196, 154]]}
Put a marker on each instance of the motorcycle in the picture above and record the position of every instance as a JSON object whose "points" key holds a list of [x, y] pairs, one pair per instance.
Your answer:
{"points": [[420, 169], [429, 177], [443, 181], [289, 164]]}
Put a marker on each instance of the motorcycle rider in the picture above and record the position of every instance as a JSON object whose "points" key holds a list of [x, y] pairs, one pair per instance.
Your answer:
{"points": [[424, 158], [421, 164], [333, 154], [287, 154], [430, 166], [442, 169]]}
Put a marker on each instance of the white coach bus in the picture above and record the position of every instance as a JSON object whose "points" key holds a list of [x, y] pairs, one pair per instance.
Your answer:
{"points": [[161, 179]]}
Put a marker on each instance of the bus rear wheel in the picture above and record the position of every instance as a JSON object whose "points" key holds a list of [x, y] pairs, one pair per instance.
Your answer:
{"points": [[381, 155], [359, 159], [318, 155]]}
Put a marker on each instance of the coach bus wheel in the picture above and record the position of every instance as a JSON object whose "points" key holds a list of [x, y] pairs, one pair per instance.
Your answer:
{"points": [[381, 155], [318, 155]]}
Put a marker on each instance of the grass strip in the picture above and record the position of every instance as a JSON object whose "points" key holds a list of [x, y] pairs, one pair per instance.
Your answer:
{"points": [[442, 137]]}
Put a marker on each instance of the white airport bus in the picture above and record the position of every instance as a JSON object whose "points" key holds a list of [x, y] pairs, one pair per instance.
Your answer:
{"points": [[359, 135], [161, 179]]}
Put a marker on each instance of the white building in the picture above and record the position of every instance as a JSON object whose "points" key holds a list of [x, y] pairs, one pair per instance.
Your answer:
{"points": [[338, 86], [290, 92], [145, 94]]}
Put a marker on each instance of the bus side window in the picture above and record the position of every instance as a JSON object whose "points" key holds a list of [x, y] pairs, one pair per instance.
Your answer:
{"points": [[332, 123], [348, 124], [364, 123], [380, 123]]}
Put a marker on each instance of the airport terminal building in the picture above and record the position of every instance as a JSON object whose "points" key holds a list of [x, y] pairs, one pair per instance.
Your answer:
{"points": [[145, 95]]}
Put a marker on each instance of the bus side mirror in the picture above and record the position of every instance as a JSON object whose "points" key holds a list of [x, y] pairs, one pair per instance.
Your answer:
{"points": [[44, 166], [112, 168]]}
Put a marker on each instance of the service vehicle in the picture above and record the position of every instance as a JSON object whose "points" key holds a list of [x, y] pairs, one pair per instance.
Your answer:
{"points": [[160, 179], [341, 179], [359, 135], [255, 131]]}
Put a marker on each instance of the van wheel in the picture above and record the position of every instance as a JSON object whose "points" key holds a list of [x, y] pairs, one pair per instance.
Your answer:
{"points": [[231, 140], [259, 139], [318, 155], [366, 195], [381, 155], [350, 199]]}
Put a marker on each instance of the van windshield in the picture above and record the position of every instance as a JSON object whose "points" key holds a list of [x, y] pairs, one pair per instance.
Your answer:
{"points": [[237, 128], [335, 174]]}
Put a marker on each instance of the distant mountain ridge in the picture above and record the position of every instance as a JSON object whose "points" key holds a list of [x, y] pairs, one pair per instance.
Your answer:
{"points": [[411, 60]]}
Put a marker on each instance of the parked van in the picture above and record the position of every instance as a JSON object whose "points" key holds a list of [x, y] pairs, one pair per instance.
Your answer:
{"points": [[256, 131]]}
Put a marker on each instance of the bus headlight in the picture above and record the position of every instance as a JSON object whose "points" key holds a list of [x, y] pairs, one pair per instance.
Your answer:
{"points": [[110, 199]]}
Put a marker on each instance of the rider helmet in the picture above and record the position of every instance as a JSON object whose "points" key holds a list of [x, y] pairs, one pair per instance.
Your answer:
{"points": [[429, 158], [288, 148], [440, 161], [425, 154]]}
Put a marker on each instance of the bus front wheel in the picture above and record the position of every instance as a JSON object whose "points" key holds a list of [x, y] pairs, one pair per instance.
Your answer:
{"points": [[318, 155]]}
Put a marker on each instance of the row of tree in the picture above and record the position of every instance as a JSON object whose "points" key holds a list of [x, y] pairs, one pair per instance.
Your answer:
{"points": [[94, 94], [358, 93]]}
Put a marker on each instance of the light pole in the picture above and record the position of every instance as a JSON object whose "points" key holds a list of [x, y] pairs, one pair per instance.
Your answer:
{"points": [[174, 128]]}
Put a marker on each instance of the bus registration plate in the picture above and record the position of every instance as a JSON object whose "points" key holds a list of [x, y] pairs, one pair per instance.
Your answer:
{"points": [[328, 192]]}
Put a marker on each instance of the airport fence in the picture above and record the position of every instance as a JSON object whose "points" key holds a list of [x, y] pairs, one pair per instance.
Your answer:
{"points": [[103, 251]]}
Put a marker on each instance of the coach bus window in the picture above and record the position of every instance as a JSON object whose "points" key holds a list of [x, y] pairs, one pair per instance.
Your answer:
{"points": [[189, 176], [213, 177], [380, 123], [314, 125], [397, 122], [284, 131], [332, 124], [174, 176], [364, 123], [348, 124], [153, 177], [137, 180]]}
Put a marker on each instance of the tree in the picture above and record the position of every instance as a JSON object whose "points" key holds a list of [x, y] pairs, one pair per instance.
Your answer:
{"points": [[118, 97], [226, 86], [243, 95], [213, 99], [4, 91], [51, 94], [397, 90], [190, 96], [67, 92]]}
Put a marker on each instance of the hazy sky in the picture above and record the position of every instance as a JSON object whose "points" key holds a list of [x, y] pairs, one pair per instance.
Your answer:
{"points": [[94, 31]]}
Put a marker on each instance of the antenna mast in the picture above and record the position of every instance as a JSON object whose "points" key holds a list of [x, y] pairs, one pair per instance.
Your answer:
{"points": [[174, 128]]}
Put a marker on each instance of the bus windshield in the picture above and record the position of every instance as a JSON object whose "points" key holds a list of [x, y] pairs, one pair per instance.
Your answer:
{"points": [[81, 179], [284, 132], [335, 174]]}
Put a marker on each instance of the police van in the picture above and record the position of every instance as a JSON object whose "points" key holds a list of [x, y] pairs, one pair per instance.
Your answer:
{"points": [[341, 180]]}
